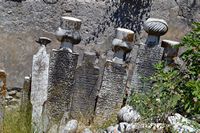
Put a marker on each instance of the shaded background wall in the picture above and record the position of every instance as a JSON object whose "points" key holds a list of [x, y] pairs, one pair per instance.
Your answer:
{"points": [[22, 22]]}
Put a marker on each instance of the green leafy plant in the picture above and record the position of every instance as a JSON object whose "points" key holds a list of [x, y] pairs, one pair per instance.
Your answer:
{"points": [[177, 89]]}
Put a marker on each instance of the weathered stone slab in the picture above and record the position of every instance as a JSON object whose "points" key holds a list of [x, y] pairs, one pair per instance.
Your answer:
{"points": [[39, 82], [110, 97], [26, 92], [61, 81], [146, 59], [85, 90], [2, 97]]}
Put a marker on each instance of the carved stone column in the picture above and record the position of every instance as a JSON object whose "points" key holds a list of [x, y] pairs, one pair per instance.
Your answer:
{"points": [[85, 90], [2, 97], [62, 68], [170, 51], [39, 83], [112, 91], [149, 54]]}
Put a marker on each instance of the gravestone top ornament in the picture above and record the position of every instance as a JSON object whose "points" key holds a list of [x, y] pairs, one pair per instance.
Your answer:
{"points": [[43, 41], [122, 44], [155, 28], [68, 32]]}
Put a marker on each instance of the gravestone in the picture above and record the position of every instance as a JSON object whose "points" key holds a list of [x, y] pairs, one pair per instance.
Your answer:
{"points": [[62, 68], [170, 51], [149, 54], [39, 83], [112, 91], [2, 97], [85, 90], [26, 93]]}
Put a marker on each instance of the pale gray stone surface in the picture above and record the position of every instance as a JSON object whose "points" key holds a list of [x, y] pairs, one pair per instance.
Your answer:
{"points": [[112, 91], [86, 130], [85, 89], [61, 81], [182, 125], [71, 126], [39, 84], [128, 114]]}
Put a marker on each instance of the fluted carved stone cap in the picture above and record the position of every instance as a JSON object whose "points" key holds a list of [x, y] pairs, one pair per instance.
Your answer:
{"points": [[70, 23], [156, 26], [122, 40], [169, 43], [43, 41]]}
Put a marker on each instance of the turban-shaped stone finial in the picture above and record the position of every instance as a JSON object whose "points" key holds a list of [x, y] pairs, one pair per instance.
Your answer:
{"points": [[43, 41], [68, 32], [155, 28], [122, 44]]}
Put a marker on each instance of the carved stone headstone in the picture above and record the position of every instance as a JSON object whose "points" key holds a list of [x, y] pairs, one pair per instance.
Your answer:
{"points": [[85, 90], [39, 82], [148, 54], [170, 51], [62, 68], [2, 97], [112, 91], [26, 93]]}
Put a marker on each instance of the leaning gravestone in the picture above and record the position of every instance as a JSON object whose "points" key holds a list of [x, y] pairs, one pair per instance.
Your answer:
{"points": [[2, 97], [62, 68], [85, 90], [149, 54], [39, 83], [112, 91]]}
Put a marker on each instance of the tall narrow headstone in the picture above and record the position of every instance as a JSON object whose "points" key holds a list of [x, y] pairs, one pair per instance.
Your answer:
{"points": [[112, 91], [2, 97], [39, 82], [85, 90], [62, 69], [149, 54]]}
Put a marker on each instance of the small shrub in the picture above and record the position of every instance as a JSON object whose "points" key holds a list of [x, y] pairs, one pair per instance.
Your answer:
{"points": [[175, 90]]}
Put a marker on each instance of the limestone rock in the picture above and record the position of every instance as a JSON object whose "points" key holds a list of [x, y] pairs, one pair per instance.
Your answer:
{"points": [[128, 114], [71, 126], [181, 124], [86, 130]]}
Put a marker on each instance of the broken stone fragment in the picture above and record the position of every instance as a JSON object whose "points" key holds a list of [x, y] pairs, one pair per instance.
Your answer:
{"points": [[71, 126], [86, 130], [170, 50], [183, 125], [122, 44], [128, 114], [68, 32], [155, 28]]}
